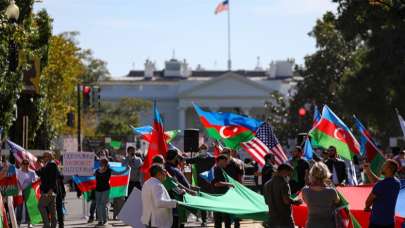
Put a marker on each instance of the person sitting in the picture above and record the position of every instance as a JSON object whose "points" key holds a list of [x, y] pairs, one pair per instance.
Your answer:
{"points": [[383, 198], [321, 199], [156, 203]]}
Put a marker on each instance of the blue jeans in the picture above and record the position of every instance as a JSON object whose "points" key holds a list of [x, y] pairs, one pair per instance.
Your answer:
{"points": [[101, 205]]}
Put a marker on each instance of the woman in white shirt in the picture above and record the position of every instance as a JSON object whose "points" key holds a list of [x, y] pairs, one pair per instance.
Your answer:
{"points": [[25, 177]]}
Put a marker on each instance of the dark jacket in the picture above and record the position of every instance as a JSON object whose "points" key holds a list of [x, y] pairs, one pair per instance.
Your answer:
{"points": [[203, 162], [340, 168], [49, 175]]}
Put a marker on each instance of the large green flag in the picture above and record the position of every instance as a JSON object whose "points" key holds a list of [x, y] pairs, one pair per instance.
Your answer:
{"points": [[239, 201], [31, 197]]}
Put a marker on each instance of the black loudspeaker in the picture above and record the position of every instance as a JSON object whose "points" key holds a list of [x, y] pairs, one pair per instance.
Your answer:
{"points": [[191, 140], [301, 137]]}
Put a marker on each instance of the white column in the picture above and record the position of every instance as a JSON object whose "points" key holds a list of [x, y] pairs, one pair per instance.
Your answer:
{"points": [[182, 118]]}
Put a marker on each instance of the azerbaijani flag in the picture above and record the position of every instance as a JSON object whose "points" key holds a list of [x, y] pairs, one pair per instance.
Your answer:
{"points": [[157, 144], [229, 128], [369, 148], [347, 218], [119, 181], [332, 131], [146, 133], [31, 196]]}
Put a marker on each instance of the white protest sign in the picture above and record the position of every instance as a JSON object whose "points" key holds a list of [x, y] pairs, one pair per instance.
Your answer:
{"points": [[78, 163], [131, 212]]}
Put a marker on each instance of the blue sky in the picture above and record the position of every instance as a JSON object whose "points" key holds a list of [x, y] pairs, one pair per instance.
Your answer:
{"points": [[126, 32]]}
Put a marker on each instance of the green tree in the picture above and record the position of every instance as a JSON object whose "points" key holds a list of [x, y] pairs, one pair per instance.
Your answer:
{"points": [[324, 71], [115, 118], [63, 72], [277, 108], [30, 34], [377, 87]]}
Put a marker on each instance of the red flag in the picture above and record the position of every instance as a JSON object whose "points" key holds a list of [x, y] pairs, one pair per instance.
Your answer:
{"points": [[157, 143], [217, 149]]}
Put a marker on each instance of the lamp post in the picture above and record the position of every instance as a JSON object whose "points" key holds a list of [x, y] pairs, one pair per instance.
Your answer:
{"points": [[12, 13]]}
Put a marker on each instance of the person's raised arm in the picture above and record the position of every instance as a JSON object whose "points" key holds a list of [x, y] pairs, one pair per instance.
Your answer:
{"points": [[372, 177]]}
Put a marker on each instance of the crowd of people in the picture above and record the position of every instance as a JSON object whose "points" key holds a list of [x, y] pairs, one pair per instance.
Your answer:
{"points": [[315, 181], [168, 180]]}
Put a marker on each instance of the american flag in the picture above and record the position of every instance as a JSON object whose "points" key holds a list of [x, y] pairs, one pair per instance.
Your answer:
{"points": [[264, 143], [223, 6], [20, 153]]}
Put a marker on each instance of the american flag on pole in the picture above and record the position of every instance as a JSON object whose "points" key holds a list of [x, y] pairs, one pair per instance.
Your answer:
{"points": [[20, 153], [264, 143], [223, 6]]}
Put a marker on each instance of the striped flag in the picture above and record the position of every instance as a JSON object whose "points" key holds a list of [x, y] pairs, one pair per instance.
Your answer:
{"points": [[119, 181], [401, 122], [20, 153], [264, 143], [221, 7], [317, 116], [369, 148]]}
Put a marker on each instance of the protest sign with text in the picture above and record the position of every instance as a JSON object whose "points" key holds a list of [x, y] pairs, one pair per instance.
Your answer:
{"points": [[78, 163]]}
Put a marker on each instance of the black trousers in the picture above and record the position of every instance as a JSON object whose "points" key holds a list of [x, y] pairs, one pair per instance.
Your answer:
{"points": [[59, 210], [176, 222], [222, 217], [204, 216], [131, 186]]}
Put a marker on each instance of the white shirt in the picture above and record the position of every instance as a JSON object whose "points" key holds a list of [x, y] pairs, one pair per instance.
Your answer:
{"points": [[156, 204], [25, 178]]}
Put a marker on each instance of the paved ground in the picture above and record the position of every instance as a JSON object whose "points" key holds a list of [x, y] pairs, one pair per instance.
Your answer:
{"points": [[74, 217]]}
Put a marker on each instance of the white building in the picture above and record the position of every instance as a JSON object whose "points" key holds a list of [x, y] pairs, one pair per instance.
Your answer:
{"points": [[176, 87]]}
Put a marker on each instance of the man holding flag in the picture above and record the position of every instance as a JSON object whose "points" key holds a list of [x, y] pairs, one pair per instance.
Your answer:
{"points": [[383, 197]]}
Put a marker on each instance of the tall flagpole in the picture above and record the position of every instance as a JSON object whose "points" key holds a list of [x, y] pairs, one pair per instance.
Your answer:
{"points": [[229, 36]]}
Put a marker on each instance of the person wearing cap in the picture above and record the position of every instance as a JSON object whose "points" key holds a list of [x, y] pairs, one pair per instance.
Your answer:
{"points": [[277, 195], [156, 202]]}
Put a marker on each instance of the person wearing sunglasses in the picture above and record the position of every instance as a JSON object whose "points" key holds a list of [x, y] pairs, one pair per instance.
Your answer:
{"points": [[25, 177]]}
